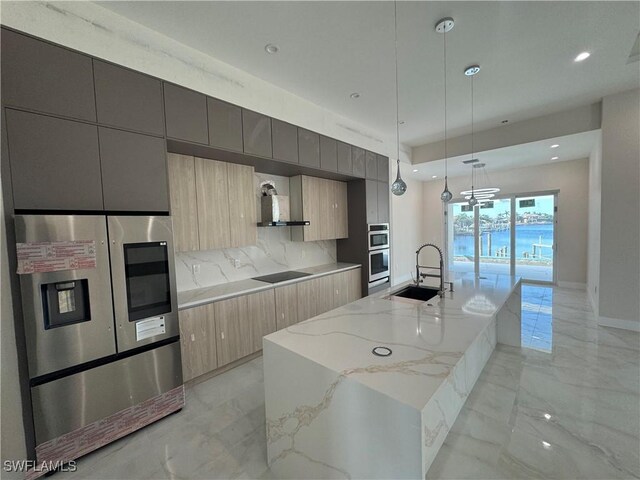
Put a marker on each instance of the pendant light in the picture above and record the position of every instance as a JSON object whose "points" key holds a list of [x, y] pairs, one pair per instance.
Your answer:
{"points": [[443, 26], [399, 187], [471, 71]]}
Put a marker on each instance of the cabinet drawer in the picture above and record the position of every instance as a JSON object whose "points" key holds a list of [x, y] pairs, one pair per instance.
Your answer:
{"points": [[47, 78], [128, 99], [55, 163]]}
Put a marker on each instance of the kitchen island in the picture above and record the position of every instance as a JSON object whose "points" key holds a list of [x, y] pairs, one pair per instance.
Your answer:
{"points": [[334, 409]]}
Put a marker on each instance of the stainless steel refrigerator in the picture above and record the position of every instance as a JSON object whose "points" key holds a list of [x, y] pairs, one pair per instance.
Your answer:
{"points": [[101, 317]]}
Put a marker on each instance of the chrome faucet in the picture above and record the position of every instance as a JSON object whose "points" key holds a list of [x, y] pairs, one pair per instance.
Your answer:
{"points": [[421, 276]]}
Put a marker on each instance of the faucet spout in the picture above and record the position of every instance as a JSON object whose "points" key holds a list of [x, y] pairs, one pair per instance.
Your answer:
{"points": [[420, 276]]}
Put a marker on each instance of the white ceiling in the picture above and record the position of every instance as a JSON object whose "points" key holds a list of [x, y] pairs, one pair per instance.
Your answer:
{"points": [[330, 49], [570, 147]]}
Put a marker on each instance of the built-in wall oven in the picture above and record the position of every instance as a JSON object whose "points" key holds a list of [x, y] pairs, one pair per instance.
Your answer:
{"points": [[378, 236]]}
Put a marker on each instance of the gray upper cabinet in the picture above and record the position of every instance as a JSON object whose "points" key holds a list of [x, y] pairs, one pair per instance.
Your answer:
{"points": [[256, 134], [371, 165], [128, 99], [39, 76], [134, 171], [285, 141], [371, 187], [383, 168], [55, 164], [357, 159], [383, 202], [344, 158], [225, 125], [328, 154], [309, 148], [186, 114]]}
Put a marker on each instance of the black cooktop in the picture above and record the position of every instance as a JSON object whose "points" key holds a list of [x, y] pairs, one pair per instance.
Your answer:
{"points": [[281, 277]]}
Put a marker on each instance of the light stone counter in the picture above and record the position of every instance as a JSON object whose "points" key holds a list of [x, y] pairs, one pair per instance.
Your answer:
{"points": [[334, 410], [215, 293]]}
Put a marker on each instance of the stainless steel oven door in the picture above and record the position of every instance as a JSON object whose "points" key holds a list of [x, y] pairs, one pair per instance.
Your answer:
{"points": [[143, 278], [378, 239], [378, 264], [68, 314]]}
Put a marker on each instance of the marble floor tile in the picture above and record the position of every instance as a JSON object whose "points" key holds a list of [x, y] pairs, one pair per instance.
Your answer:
{"points": [[566, 409]]}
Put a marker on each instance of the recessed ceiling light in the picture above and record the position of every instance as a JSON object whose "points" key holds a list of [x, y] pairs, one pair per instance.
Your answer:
{"points": [[555, 145], [355, 95], [434, 176], [415, 170], [554, 158], [582, 56], [271, 48], [401, 122], [471, 70]]}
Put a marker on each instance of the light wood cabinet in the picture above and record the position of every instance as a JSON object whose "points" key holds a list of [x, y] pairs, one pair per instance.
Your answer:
{"points": [[347, 287], [241, 323], [198, 341], [212, 191], [323, 203], [242, 206], [315, 297], [184, 208], [286, 306]]}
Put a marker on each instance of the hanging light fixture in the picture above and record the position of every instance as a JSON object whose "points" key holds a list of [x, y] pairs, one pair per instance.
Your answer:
{"points": [[471, 71], [399, 187], [443, 26]]}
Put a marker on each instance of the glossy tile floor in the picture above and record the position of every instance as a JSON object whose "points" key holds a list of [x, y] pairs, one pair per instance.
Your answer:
{"points": [[572, 412], [537, 317]]}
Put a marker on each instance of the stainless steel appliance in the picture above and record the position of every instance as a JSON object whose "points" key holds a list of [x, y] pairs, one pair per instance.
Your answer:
{"points": [[100, 312], [378, 267], [378, 236]]}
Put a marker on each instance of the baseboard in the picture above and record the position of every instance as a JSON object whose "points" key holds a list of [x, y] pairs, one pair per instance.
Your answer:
{"points": [[594, 304], [632, 325], [573, 285]]}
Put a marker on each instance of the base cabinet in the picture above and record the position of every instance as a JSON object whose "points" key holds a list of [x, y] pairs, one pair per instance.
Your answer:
{"points": [[241, 323], [286, 306], [347, 287], [197, 341]]}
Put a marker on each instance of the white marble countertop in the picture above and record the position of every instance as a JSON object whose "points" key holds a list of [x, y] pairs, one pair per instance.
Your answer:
{"points": [[215, 293], [427, 339]]}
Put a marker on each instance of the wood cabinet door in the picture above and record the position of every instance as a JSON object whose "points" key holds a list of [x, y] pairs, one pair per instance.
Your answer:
{"points": [[371, 187], [198, 341], [242, 206], [186, 114], [328, 154], [128, 99], [134, 171], [184, 207], [241, 323], [285, 141], [55, 163], [371, 165], [315, 296], [311, 206], [383, 168], [308, 148], [286, 306], [345, 164], [225, 125], [212, 194], [383, 202], [341, 211], [327, 208], [256, 134], [357, 159], [46, 78], [340, 289], [353, 283]]}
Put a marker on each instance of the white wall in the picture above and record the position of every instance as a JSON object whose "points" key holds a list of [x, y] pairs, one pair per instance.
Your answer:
{"points": [[407, 215], [12, 437], [619, 302], [570, 178], [593, 267]]}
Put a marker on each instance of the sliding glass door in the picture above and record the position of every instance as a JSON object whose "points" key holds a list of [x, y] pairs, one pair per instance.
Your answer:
{"points": [[509, 235]]}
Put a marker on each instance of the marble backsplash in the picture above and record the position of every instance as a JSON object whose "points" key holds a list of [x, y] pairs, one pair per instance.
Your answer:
{"points": [[273, 253]]}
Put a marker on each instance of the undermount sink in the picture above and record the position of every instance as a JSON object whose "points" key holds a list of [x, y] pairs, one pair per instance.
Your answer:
{"points": [[416, 293]]}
